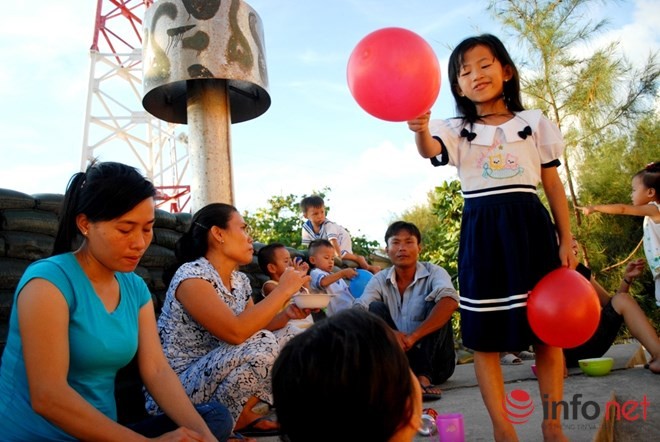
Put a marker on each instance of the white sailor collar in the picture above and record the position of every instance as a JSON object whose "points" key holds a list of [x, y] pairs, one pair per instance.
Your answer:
{"points": [[485, 134]]}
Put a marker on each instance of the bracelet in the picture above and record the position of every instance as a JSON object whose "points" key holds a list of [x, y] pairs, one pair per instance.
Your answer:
{"points": [[626, 281]]}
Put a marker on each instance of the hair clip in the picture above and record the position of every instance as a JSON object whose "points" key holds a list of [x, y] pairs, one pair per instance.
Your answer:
{"points": [[525, 132], [467, 134], [200, 225]]}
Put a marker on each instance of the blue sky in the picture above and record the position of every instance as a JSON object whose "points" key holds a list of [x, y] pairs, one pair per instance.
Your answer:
{"points": [[313, 136]]}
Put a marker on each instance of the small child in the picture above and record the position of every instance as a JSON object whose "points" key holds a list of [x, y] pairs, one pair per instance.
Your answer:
{"points": [[645, 202], [273, 260], [318, 226], [322, 258]]}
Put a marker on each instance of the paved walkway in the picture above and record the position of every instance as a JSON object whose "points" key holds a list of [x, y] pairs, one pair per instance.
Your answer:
{"points": [[636, 389]]}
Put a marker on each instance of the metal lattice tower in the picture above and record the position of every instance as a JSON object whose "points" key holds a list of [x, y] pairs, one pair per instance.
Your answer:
{"points": [[117, 128]]}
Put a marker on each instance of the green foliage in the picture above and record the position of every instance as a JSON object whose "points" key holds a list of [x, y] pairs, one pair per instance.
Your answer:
{"points": [[282, 221], [591, 95], [362, 246], [439, 221], [610, 241]]}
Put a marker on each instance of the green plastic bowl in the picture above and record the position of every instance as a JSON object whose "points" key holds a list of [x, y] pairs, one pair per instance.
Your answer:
{"points": [[596, 366]]}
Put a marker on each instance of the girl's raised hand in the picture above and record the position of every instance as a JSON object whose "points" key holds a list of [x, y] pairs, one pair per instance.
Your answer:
{"points": [[421, 123]]}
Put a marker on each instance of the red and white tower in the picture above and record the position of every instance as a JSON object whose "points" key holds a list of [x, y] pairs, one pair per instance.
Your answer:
{"points": [[117, 128]]}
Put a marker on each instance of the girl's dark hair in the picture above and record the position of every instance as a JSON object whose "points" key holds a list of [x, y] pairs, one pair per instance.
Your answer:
{"points": [[105, 191], [650, 176], [466, 108], [195, 243], [353, 371]]}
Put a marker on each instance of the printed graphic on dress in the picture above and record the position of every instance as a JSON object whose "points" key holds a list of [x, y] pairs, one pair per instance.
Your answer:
{"points": [[496, 162]]}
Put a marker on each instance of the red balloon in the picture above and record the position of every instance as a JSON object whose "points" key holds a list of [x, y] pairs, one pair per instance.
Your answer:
{"points": [[563, 309], [394, 74]]}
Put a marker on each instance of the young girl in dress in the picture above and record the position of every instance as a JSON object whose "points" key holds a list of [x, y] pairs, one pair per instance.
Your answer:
{"points": [[645, 202], [508, 240]]}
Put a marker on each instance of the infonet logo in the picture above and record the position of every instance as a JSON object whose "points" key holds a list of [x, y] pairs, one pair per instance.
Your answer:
{"points": [[518, 406]]}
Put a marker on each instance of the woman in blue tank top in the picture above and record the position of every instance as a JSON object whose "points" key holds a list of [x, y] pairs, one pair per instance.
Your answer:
{"points": [[81, 315]]}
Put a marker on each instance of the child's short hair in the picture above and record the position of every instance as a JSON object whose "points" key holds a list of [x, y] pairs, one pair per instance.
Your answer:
{"points": [[318, 244], [311, 201], [266, 255]]}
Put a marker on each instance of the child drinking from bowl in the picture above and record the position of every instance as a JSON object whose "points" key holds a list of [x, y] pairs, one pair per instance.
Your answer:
{"points": [[325, 279], [273, 260]]}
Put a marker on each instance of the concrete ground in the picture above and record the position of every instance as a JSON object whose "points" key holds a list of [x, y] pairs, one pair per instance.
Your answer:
{"points": [[636, 390]]}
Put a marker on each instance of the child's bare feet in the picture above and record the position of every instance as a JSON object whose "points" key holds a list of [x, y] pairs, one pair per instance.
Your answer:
{"points": [[654, 365]]}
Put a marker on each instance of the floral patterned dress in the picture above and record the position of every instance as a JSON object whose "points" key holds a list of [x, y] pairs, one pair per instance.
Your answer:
{"points": [[209, 368]]}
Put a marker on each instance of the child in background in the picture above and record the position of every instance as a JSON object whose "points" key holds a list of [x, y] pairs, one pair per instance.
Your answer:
{"points": [[322, 258], [273, 260], [645, 202], [318, 226], [617, 309], [507, 241]]}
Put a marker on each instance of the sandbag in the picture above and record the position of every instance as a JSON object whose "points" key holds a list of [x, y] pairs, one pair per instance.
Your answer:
{"points": [[165, 219], [6, 301], [183, 221], [37, 221], [166, 237], [26, 245], [49, 201], [11, 271], [13, 199], [157, 256]]}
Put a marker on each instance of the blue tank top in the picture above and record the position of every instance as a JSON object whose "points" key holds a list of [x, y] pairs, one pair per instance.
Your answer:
{"points": [[100, 343]]}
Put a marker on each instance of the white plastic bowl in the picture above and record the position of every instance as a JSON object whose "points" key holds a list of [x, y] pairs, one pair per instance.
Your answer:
{"points": [[312, 300]]}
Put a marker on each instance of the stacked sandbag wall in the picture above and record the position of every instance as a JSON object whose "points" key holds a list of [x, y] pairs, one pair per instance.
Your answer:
{"points": [[28, 224]]}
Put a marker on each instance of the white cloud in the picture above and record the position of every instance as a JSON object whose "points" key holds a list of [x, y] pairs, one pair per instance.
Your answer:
{"points": [[38, 178], [367, 192], [310, 56], [638, 38]]}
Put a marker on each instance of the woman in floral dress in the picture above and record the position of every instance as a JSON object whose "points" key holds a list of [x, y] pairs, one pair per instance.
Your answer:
{"points": [[220, 343]]}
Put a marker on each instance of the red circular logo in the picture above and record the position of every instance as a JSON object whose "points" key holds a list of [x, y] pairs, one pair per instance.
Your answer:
{"points": [[518, 406]]}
